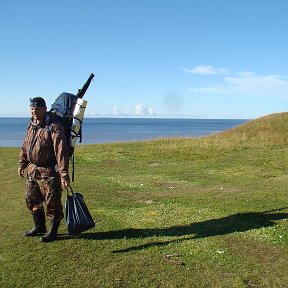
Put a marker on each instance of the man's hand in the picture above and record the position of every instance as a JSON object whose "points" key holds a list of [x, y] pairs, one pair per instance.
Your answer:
{"points": [[21, 172], [65, 183]]}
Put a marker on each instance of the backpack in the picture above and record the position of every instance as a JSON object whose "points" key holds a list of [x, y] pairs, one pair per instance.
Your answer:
{"points": [[63, 108], [69, 110]]}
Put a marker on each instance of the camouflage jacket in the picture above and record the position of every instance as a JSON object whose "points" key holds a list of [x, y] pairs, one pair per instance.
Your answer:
{"points": [[45, 149]]}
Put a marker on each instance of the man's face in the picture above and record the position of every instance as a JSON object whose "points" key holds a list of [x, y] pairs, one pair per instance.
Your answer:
{"points": [[38, 113]]}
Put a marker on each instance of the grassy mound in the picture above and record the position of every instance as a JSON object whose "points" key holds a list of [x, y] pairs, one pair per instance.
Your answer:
{"points": [[268, 130], [218, 204]]}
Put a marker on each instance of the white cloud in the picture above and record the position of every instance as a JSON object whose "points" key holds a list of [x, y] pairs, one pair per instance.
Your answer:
{"points": [[141, 110], [206, 70], [116, 111], [152, 111], [271, 85], [248, 83]]}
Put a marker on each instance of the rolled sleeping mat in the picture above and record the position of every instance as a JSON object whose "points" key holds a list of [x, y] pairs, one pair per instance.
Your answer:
{"points": [[78, 116]]}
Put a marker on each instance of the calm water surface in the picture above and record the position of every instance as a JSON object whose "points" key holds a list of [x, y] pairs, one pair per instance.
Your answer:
{"points": [[107, 130]]}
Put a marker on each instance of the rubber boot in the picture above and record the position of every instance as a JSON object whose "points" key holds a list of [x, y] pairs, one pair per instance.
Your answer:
{"points": [[52, 234], [39, 225]]}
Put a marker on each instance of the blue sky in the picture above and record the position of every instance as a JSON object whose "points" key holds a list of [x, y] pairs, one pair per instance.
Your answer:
{"points": [[152, 58]]}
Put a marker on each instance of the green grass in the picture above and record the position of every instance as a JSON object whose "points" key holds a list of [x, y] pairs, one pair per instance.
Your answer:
{"points": [[219, 202]]}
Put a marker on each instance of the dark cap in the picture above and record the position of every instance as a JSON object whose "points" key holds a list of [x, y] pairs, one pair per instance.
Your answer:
{"points": [[37, 102]]}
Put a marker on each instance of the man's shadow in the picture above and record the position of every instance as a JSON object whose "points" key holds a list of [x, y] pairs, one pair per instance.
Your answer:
{"points": [[239, 222]]}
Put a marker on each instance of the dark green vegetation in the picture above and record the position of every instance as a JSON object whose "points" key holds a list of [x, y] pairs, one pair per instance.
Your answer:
{"points": [[219, 202]]}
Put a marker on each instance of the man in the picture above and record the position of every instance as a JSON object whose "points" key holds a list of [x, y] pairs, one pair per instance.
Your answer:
{"points": [[45, 155]]}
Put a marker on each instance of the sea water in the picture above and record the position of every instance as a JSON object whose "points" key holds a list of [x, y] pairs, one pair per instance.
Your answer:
{"points": [[107, 130]]}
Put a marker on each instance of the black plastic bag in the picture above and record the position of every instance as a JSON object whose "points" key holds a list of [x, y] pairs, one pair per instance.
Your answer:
{"points": [[78, 217]]}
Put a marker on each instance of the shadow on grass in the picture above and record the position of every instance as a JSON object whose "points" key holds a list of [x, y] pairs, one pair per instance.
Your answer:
{"points": [[239, 222]]}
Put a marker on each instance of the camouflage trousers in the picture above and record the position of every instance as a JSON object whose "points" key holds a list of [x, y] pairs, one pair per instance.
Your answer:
{"points": [[46, 190]]}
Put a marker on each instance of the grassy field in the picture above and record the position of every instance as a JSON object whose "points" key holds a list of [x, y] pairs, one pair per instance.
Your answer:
{"points": [[218, 204]]}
